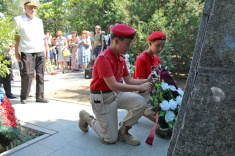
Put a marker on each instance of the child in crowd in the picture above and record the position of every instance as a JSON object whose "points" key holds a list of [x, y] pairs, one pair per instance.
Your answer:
{"points": [[108, 94], [145, 61], [84, 51]]}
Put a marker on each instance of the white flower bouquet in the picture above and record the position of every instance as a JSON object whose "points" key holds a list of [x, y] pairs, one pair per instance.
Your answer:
{"points": [[166, 98]]}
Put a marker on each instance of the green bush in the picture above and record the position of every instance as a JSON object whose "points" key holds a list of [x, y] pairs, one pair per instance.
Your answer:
{"points": [[7, 35], [8, 31]]}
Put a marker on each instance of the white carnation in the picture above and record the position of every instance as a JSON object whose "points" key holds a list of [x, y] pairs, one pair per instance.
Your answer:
{"points": [[169, 116], [180, 91], [172, 88], [164, 86], [164, 105], [172, 104], [179, 100]]}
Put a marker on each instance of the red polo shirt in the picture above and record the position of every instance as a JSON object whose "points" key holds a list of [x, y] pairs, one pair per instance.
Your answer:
{"points": [[108, 64], [143, 65]]}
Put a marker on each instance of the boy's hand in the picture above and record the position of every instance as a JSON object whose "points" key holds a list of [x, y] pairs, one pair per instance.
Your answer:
{"points": [[150, 77], [153, 79], [148, 86]]}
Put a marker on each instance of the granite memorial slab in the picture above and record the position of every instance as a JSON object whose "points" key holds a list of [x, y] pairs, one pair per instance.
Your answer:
{"points": [[205, 124]]}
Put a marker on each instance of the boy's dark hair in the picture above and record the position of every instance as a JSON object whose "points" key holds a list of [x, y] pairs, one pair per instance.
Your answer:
{"points": [[113, 36]]}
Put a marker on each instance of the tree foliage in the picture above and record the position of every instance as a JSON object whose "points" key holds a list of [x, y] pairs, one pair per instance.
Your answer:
{"points": [[7, 34], [53, 15], [179, 20], [10, 7]]}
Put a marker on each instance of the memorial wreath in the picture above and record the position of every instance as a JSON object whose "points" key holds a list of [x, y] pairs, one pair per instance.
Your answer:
{"points": [[166, 98]]}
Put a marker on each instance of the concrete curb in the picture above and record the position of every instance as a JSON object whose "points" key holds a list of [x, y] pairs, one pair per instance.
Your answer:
{"points": [[48, 133], [69, 101]]}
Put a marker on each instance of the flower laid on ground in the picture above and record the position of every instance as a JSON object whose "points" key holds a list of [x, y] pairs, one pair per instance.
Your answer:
{"points": [[166, 99], [1, 96], [50, 68], [8, 123]]}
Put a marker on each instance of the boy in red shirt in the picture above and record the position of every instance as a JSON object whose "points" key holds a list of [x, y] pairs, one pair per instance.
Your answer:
{"points": [[108, 94], [145, 61]]}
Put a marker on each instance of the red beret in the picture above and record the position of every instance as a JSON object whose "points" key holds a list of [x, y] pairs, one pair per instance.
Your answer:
{"points": [[157, 35], [123, 30]]}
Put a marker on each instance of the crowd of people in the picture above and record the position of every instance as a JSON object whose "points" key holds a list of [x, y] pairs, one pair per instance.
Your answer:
{"points": [[84, 48]]}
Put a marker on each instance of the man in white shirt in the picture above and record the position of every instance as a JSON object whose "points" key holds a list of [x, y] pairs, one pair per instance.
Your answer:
{"points": [[29, 50]]}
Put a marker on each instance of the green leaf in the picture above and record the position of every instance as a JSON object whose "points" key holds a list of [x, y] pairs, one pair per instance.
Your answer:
{"points": [[161, 113], [170, 125]]}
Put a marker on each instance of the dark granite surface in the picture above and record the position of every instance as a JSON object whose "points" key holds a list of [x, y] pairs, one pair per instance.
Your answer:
{"points": [[219, 46], [208, 126], [205, 124]]}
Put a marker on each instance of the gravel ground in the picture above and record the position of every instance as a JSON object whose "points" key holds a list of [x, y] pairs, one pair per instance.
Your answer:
{"points": [[80, 93]]}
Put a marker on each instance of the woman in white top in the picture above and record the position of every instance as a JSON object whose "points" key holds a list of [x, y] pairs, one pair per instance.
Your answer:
{"points": [[61, 45]]}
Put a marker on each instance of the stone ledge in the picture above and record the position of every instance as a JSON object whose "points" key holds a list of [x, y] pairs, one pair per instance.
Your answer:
{"points": [[48, 133]]}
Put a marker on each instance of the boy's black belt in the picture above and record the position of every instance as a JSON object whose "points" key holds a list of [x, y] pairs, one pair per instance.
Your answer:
{"points": [[100, 91]]}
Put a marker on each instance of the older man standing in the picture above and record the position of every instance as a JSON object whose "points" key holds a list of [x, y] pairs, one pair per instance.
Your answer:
{"points": [[30, 49], [98, 41]]}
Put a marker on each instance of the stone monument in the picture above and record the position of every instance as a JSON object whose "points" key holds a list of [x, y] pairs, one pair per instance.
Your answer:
{"points": [[206, 122]]}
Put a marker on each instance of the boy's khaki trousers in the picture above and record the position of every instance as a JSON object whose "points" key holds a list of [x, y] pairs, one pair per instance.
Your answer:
{"points": [[149, 107], [105, 109]]}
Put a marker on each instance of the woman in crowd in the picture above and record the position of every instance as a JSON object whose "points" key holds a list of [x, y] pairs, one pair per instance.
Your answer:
{"points": [[74, 51], [83, 44], [62, 45]]}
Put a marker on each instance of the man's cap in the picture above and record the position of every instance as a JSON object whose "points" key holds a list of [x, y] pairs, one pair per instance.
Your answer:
{"points": [[28, 3], [123, 30], [157, 35], [103, 32]]}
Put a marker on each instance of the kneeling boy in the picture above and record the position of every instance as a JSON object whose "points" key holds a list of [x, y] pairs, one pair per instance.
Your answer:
{"points": [[108, 94]]}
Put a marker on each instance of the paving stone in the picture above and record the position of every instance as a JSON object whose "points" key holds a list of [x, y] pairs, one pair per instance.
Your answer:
{"points": [[61, 118], [34, 150]]}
